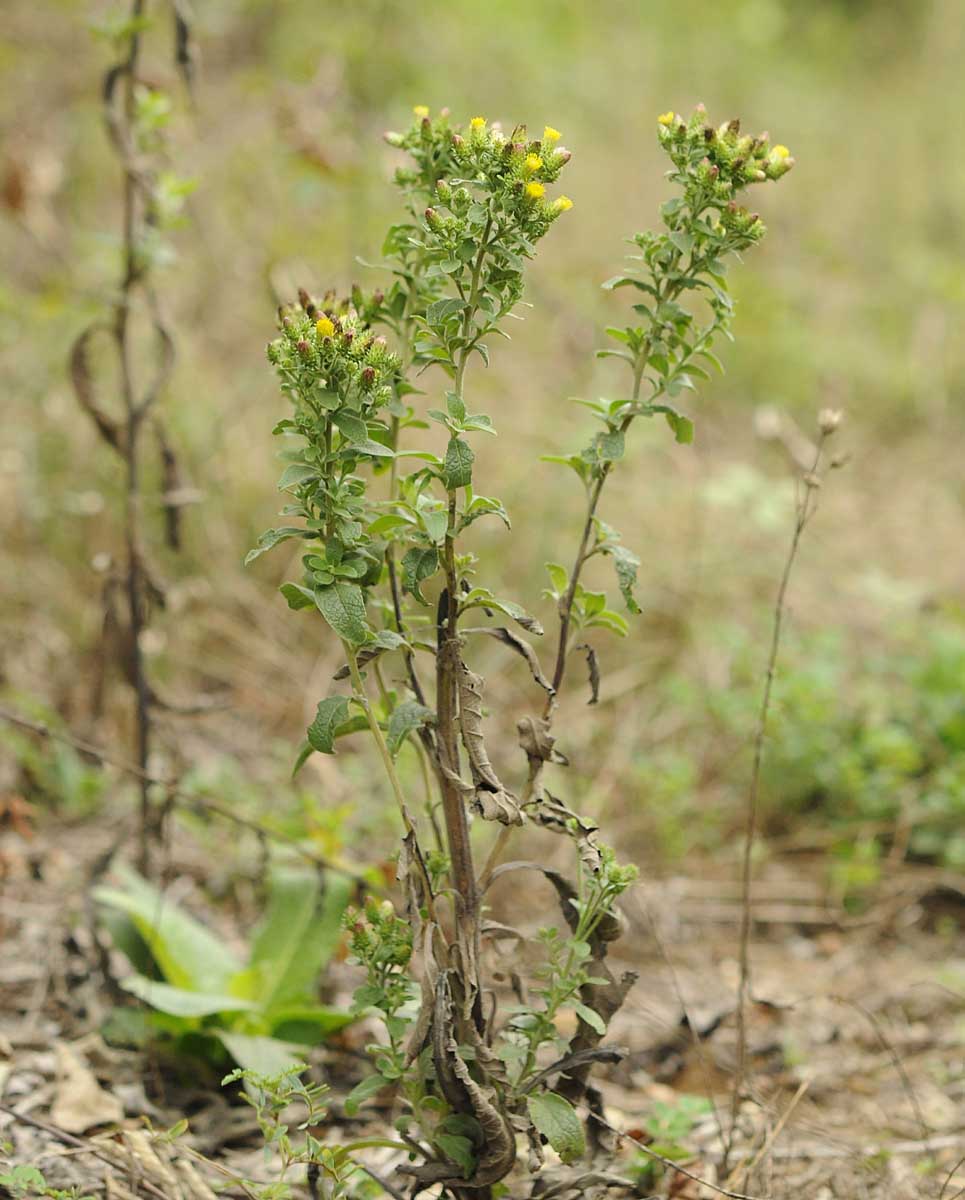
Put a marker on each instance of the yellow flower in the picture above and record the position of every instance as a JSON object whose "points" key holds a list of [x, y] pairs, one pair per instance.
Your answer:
{"points": [[551, 135], [325, 327], [666, 118], [477, 123], [534, 190], [421, 111], [532, 163], [781, 152], [562, 204]]}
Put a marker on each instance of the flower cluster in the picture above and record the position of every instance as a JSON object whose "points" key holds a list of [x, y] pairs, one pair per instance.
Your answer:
{"points": [[714, 163], [327, 357]]}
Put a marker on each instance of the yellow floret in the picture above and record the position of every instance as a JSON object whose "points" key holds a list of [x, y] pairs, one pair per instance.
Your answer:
{"points": [[421, 110], [551, 135], [666, 118], [780, 152], [477, 123], [562, 204], [534, 190], [324, 327], [533, 162]]}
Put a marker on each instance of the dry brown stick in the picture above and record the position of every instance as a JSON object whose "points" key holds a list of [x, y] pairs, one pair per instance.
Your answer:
{"points": [[669, 1162], [804, 510], [194, 799], [79, 1143], [895, 1058]]}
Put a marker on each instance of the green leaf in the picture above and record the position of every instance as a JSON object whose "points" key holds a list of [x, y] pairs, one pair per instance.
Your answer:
{"points": [[298, 597], [261, 1055], [457, 466], [483, 506], [309, 1023], [179, 1002], [436, 523], [362, 1092], [342, 604], [591, 1018], [457, 1149], [271, 537], [405, 719], [559, 577], [190, 955], [298, 934], [351, 426], [442, 310], [683, 427], [456, 406], [556, 1120], [418, 564], [296, 473], [331, 713]]}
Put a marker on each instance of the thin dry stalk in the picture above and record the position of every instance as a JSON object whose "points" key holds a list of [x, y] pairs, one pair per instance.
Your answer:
{"points": [[804, 511], [123, 434]]}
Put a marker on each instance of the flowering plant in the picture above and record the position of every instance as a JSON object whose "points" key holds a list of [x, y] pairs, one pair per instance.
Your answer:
{"points": [[475, 1075]]}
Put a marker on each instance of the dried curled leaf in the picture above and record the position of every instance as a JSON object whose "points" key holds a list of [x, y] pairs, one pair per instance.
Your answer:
{"points": [[493, 801], [522, 648], [593, 668]]}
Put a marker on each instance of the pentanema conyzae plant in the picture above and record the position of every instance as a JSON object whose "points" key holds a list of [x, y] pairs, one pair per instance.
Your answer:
{"points": [[380, 519]]}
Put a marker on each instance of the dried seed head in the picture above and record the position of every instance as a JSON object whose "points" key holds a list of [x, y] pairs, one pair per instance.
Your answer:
{"points": [[828, 420]]}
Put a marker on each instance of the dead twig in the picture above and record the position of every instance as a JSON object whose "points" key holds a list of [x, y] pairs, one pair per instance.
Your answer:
{"points": [[804, 511]]}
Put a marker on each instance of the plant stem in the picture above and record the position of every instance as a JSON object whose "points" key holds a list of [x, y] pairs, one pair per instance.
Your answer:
{"points": [[358, 687], [804, 511]]}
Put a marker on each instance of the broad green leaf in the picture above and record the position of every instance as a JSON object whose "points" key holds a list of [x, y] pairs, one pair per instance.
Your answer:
{"points": [[261, 1055], [271, 537], [298, 597], [190, 955], [557, 1121], [418, 564], [457, 1149], [298, 934], [351, 426], [342, 604], [178, 1002], [405, 719], [296, 473], [308, 1024], [457, 466], [362, 1092], [331, 713]]}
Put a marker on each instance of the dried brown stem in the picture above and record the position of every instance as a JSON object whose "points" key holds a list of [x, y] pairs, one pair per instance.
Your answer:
{"points": [[804, 510]]}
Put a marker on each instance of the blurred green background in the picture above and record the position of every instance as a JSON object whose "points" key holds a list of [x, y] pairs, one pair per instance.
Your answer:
{"points": [[855, 300]]}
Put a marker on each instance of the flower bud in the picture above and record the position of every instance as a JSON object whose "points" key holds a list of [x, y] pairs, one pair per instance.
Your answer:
{"points": [[444, 191], [393, 139], [368, 377], [828, 420], [562, 157], [433, 220], [303, 347]]}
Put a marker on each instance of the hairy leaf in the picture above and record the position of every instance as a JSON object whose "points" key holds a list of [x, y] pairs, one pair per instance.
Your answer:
{"points": [[457, 466], [342, 604], [331, 713], [418, 564], [557, 1121], [271, 537], [405, 719]]}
